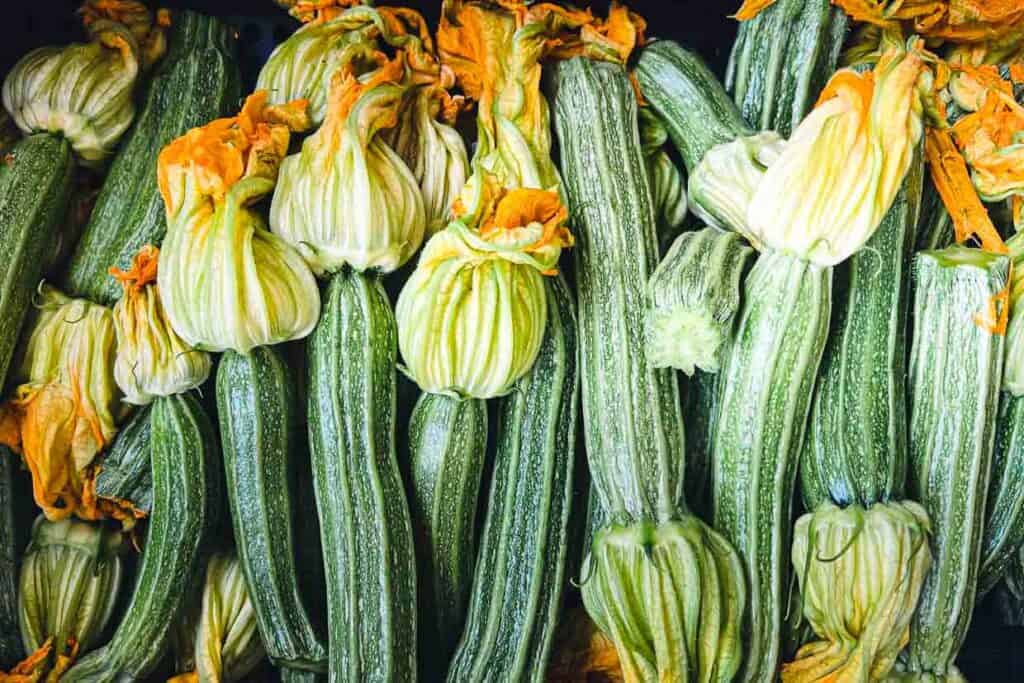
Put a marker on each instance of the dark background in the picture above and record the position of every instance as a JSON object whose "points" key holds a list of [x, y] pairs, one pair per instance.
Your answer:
{"points": [[990, 655]]}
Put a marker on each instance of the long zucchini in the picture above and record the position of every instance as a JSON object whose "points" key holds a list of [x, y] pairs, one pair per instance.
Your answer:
{"points": [[186, 490], [197, 81], [520, 571], [447, 448], [955, 373], [364, 519], [260, 431]]}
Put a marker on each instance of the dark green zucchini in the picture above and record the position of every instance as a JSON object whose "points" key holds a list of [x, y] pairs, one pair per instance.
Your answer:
{"points": [[955, 374], [186, 490], [35, 189], [124, 473], [260, 433], [1004, 516], [196, 81], [447, 449], [520, 570], [700, 410], [782, 59], [935, 227], [364, 519], [1009, 593], [10, 551]]}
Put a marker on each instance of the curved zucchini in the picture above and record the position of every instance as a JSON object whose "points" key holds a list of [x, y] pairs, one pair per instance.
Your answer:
{"points": [[364, 520], [1003, 536], [124, 473], [765, 389], [186, 488], [447, 448], [35, 188], [520, 571], [197, 81], [260, 431]]}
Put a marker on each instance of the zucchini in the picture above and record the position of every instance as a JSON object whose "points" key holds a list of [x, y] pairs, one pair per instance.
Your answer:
{"points": [[856, 445], [364, 520], [447, 448], [520, 569], [955, 374], [186, 487], [260, 432], [1009, 593], [765, 389], [700, 410], [935, 227], [1003, 535], [124, 474], [197, 81], [35, 189], [782, 59], [10, 552]]}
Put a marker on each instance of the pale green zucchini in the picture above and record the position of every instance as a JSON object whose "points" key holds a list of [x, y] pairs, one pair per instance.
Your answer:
{"points": [[1004, 517]]}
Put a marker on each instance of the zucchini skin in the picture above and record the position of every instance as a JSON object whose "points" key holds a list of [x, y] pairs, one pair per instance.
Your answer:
{"points": [[447, 449], [197, 81], [35, 189], [856, 445], [125, 472], [781, 61], [1003, 535], [364, 519], [186, 492], [10, 555], [955, 375], [260, 433], [692, 103], [700, 411], [632, 415], [765, 386], [520, 570]]}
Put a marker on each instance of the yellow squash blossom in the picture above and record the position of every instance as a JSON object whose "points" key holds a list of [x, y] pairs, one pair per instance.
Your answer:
{"points": [[226, 281]]}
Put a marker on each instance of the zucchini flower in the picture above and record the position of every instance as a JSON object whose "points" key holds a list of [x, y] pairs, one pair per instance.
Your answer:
{"points": [[226, 281], [225, 644], [471, 318], [152, 360], [861, 573], [645, 584], [67, 407], [85, 91], [827, 192], [348, 198], [70, 582]]}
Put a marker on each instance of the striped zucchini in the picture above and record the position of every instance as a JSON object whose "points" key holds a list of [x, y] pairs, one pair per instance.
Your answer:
{"points": [[1004, 517], [520, 572], [856, 445], [35, 188], [782, 59], [186, 488], [955, 373], [765, 388], [700, 410], [690, 101], [196, 81], [447, 448], [124, 472], [260, 431], [10, 552], [364, 520]]}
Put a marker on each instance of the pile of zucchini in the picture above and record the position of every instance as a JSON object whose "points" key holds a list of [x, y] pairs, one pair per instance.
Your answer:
{"points": [[518, 348]]}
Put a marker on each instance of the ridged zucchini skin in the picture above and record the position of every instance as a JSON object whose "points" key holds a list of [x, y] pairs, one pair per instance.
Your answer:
{"points": [[520, 571], [1003, 535], [700, 410], [765, 387], [186, 492], [259, 433], [125, 472], [856, 445], [447, 450], [364, 519], [955, 374], [197, 81], [632, 415], [35, 189], [690, 100], [10, 553], [781, 61]]}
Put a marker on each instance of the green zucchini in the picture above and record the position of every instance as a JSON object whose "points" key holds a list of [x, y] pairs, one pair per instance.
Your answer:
{"points": [[782, 59], [955, 374], [124, 472], [447, 448], [186, 489], [700, 410], [935, 226], [1009, 592], [10, 551], [765, 389], [520, 569], [364, 520], [260, 431], [856, 445], [197, 81], [1004, 516], [35, 189]]}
